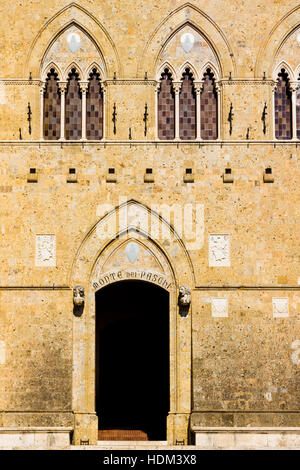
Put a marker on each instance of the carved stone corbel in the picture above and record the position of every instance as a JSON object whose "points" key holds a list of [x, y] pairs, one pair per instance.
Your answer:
{"points": [[78, 300], [184, 300]]}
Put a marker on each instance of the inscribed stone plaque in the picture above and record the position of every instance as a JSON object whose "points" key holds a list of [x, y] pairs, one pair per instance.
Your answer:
{"points": [[219, 250], [45, 250], [280, 307], [219, 307]]}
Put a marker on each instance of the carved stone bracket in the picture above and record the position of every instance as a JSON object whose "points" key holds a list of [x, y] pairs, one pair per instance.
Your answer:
{"points": [[78, 300]]}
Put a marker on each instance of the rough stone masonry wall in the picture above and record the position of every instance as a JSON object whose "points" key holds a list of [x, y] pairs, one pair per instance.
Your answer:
{"points": [[243, 362]]}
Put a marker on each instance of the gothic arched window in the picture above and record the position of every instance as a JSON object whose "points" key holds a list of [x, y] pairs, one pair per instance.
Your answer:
{"points": [[73, 107], [94, 108], [52, 104], [187, 108], [283, 107], [166, 108], [209, 108]]}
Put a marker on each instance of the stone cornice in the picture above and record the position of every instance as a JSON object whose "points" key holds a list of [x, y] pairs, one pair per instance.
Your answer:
{"points": [[247, 82], [140, 81], [177, 143], [130, 81], [20, 81]]}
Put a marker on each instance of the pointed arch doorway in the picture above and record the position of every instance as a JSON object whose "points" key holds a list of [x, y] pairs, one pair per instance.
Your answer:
{"points": [[132, 361], [109, 255]]}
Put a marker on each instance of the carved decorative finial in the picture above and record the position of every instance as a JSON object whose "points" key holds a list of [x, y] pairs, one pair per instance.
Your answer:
{"points": [[184, 300], [78, 300]]}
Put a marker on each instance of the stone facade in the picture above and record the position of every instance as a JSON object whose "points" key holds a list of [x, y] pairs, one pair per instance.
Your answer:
{"points": [[70, 207]]}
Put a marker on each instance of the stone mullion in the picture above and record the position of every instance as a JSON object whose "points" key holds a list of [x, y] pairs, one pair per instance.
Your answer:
{"points": [[219, 109], [157, 87], [42, 92], [83, 89], [198, 88], [177, 87], [63, 88], [104, 90], [273, 111], [293, 88]]}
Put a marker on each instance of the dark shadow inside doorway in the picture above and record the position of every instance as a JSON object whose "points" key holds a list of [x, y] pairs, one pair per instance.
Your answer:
{"points": [[132, 358]]}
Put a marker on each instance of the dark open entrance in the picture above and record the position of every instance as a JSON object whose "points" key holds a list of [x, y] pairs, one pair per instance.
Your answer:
{"points": [[132, 360]]}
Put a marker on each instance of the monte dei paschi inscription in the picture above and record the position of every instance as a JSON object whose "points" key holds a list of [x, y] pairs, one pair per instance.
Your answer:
{"points": [[121, 275]]}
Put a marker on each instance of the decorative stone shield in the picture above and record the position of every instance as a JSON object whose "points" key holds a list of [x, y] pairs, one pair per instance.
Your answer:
{"points": [[74, 41], [187, 41]]}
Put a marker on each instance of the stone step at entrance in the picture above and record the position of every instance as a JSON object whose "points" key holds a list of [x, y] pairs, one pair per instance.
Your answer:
{"points": [[132, 444], [122, 435]]}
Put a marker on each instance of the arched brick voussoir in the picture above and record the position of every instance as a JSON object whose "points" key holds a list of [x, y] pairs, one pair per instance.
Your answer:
{"points": [[280, 32], [105, 231], [72, 14], [187, 14]]}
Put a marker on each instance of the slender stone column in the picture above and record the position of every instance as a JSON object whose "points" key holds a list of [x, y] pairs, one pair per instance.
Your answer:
{"points": [[104, 90], [273, 110], [62, 87], [177, 87], [198, 89], [42, 91], [219, 109], [294, 87], [157, 88], [83, 89]]}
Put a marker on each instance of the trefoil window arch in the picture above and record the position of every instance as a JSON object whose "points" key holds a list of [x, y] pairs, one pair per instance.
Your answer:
{"points": [[51, 106], [283, 107]]}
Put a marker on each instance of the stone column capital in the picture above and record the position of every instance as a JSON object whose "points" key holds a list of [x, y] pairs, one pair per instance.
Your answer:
{"points": [[294, 86], [198, 84], [218, 86], [42, 87], [274, 86], [62, 86], [177, 87], [83, 86]]}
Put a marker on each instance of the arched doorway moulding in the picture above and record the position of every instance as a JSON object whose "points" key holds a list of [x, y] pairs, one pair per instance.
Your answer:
{"points": [[174, 267]]}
